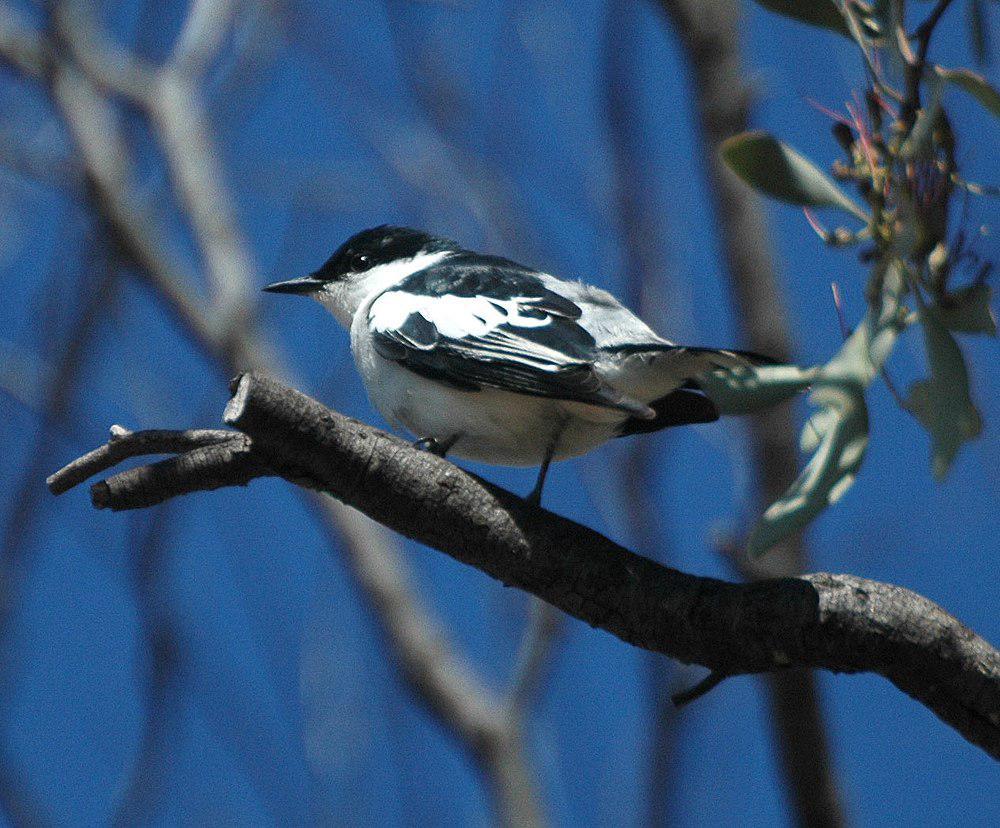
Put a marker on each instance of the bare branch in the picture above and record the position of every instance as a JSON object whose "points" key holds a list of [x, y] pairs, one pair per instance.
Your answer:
{"points": [[428, 661], [201, 469], [108, 166], [835, 622], [198, 176], [533, 655], [114, 68], [171, 98], [125, 444]]}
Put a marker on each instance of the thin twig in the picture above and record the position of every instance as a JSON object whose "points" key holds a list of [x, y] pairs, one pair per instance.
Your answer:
{"points": [[915, 68], [710, 681], [838, 305], [125, 444]]}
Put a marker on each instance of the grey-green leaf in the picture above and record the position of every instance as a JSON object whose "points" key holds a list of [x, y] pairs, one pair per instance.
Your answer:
{"points": [[942, 403], [743, 392], [822, 13], [975, 85], [777, 170], [838, 433], [969, 311]]}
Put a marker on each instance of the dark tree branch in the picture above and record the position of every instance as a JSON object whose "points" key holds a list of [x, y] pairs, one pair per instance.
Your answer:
{"points": [[835, 622], [644, 233], [95, 301], [164, 652]]}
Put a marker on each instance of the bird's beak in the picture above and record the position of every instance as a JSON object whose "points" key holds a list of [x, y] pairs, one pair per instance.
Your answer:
{"points": [[303, 286]]}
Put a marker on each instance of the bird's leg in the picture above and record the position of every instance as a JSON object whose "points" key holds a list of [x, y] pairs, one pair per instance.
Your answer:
{"points": [[535, 498], [435, 446]]}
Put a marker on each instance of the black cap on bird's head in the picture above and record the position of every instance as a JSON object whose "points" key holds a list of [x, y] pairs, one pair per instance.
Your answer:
{"points": [[363, 251]]}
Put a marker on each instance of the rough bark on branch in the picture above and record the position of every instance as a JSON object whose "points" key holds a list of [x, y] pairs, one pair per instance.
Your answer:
{"points": [[835, 622]]}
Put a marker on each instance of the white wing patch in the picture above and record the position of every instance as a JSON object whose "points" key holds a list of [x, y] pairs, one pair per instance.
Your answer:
{"points": [[455, 317]]}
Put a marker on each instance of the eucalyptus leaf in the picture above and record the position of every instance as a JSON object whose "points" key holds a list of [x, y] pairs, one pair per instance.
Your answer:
{"points": [[837, 433], [840, 437], [777, 170], [974, 84], [969, 311], [942, 402], [743, 392], [822, 13], [919, 143]]}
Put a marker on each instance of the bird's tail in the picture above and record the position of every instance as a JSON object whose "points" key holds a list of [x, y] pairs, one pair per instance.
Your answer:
{"points": [[666, 378], [713, 358], [648, 372]]}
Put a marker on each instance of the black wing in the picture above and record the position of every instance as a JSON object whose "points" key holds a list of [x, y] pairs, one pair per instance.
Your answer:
{"points": [[475, 322]]}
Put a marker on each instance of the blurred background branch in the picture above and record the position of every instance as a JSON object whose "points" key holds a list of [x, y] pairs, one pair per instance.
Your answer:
{"points": [[81, 70], [709, 31]]}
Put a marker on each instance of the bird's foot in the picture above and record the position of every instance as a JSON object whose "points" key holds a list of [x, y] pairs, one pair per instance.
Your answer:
{"points": [[534, 497], [435, 446]]}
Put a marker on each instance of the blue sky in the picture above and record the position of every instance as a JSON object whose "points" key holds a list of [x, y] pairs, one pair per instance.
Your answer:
{"points": [[486, 121]]}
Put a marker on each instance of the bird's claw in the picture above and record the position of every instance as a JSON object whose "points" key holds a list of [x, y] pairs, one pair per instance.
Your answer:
{"points": [[435, 446]]}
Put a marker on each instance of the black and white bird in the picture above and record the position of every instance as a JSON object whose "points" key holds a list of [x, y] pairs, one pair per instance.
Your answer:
{"points": [[493, 361]]}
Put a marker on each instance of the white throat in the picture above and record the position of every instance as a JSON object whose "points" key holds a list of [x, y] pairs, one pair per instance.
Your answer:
{"points": [[343, 297]]}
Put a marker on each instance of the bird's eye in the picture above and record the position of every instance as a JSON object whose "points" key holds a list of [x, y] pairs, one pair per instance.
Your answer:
{"points": [[360, 262]]}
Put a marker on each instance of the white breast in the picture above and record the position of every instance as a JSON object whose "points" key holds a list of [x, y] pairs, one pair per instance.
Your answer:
{"points": [[495, 426]]}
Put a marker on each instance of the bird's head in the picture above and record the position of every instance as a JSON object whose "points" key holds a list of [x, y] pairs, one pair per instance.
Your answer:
{"points": [[378, 252]]}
